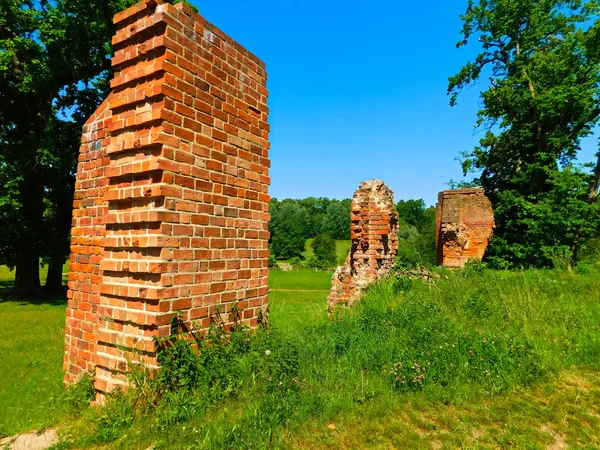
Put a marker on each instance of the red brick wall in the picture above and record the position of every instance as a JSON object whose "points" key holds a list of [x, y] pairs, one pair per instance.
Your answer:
{"points": [[89, 209], [465, 223], [186, 171], [374, 234]]}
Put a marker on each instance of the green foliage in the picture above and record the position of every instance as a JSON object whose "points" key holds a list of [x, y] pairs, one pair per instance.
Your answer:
{"points": [[591, 253], [80, 394], [416, 234], [337, 221], [402, 284], [324, 250], [307, 217], [414, 212], [117, 416], [542, 99], [54, 72], [288, 235], [272, 262]]}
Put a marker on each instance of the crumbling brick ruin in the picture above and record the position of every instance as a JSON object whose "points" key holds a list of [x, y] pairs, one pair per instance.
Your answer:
{"points": [[374, 234], [465, 223], [171, 203]]}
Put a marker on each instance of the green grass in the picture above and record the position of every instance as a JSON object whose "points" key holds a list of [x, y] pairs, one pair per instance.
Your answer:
{"points": [[512, 360], [7, 276], [309, 279], [31, 351], [342, 247], [291, 311], [297, 298]]}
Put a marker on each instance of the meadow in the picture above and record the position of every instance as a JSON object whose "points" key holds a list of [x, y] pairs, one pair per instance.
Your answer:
{"points": [[476, 358]]}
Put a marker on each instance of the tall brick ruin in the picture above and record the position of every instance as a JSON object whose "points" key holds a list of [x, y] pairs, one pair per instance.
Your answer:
{"points": [[171, 203], [465, 223], [374, 234]]}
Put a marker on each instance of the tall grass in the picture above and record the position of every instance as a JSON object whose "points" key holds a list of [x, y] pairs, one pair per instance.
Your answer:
{"points": [[468, 336]]}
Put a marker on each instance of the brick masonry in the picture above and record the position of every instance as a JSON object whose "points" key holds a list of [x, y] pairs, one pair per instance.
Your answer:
{"points": [[171, 203], [374, 234], [465, 223]]}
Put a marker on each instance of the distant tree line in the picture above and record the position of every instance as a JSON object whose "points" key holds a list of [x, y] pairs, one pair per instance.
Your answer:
{"points": [[327, 220], [295, 221]]}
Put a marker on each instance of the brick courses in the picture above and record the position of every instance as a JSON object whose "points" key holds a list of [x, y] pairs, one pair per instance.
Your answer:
{"points": [[171, 202], [465, 223], [374, 234]]}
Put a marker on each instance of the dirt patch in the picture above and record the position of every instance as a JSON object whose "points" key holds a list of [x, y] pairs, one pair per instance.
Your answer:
{"points": [[559, 442], [30, 441]]}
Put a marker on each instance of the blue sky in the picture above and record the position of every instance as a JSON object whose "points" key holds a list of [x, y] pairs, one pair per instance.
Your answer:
{"points": [[357, 90]]}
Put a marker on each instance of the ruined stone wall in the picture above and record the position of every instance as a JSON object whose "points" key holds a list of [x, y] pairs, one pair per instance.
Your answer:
{"points": [[374, 234], [171, 202], [465, 223]]}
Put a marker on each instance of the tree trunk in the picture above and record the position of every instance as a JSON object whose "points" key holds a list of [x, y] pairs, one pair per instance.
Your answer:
{"points": [[28, 241], [54, 277], [27, 277]]}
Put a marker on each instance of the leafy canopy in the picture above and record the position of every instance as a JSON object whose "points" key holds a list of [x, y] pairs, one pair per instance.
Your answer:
{"points": [[54, 71], [542, 98]]}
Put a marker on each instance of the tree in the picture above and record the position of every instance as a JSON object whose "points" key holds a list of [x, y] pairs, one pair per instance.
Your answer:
{"points": [[316, 207], [287, 227], [54, 70], [416, 234], [412, 212], [337, 221], [323, 246], [541, 58]]}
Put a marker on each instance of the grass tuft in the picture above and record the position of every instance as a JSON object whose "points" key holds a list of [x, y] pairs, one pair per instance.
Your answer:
{"points": [[475, 358]]}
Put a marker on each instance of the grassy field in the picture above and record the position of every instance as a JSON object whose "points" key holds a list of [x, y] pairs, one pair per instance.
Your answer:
{"points": [[508, 360], [31, 348], [342, 247]]}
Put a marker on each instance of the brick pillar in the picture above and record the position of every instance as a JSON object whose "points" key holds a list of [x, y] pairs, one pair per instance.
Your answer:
{"points": [[186, 165], [465, 224], [374, 234]]}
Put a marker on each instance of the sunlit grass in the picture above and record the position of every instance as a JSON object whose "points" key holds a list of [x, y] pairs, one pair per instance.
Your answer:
{"points": [[31, 353], [309, 279], [543, 357], [342, 248]]}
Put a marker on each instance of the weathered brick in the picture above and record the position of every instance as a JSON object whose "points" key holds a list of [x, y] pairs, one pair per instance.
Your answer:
{"points": [[374, 243], [161, 199], [465, 224]]}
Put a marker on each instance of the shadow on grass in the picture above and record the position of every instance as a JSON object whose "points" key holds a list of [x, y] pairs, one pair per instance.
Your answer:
{"points": [[44, 298]]}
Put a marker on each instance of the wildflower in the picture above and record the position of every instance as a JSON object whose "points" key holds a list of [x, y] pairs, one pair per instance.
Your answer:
{"points": [[267, 352]]}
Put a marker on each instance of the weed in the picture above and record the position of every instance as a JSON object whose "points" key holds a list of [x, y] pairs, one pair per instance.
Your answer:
{"points": [[406, 364], [117, 416], [402, 284]]}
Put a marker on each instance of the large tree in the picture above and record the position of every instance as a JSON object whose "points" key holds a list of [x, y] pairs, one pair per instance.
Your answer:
{"points": [[540, 60], [54, 67]]}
